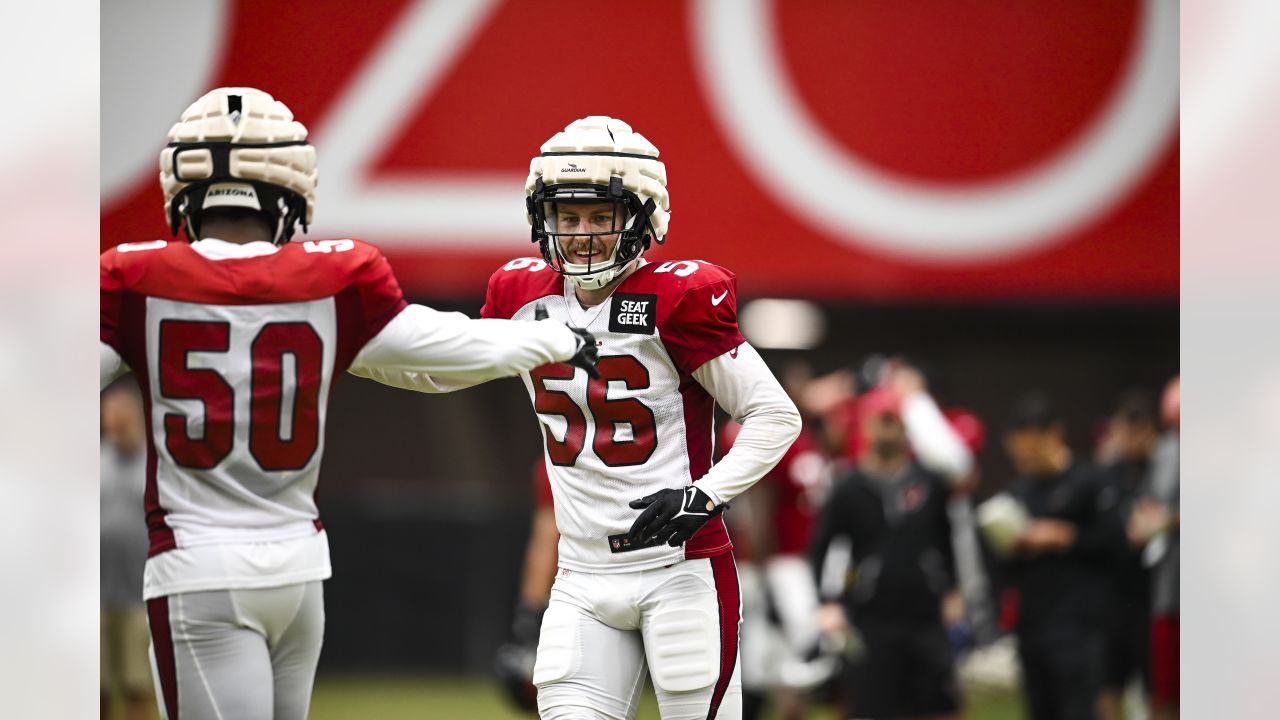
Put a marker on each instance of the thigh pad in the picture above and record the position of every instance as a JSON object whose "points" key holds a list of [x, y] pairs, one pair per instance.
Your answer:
{"points": [[683, 648]]}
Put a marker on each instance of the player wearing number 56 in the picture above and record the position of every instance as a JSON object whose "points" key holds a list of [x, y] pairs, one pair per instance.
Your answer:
{"points": [[236, 336], [645, 564]]}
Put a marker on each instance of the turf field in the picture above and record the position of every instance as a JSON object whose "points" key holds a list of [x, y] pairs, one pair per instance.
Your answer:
{"points": [[432, 698]]}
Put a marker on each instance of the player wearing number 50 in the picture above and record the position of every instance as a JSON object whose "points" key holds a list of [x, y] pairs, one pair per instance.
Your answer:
{"points": [[646, 576], [236, 339]]}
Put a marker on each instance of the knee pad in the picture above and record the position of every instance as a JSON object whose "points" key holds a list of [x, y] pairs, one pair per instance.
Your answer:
{"points": [[683, 648], [558, 644]]}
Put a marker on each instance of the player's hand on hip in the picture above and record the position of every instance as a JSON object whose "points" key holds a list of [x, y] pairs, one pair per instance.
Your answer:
{"points": [[672, 516], [586, 354]]}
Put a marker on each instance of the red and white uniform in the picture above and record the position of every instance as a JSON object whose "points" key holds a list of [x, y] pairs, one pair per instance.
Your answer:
{"points": [[669, 343], [670, 349], [236, 348]]}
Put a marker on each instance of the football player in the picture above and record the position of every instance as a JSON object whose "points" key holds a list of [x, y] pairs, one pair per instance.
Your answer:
{"points": [[236, 339], [646, 578]]}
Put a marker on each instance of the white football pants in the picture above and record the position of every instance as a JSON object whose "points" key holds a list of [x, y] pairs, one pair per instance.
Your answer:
{"points": [[237, 654], [601, 630]]}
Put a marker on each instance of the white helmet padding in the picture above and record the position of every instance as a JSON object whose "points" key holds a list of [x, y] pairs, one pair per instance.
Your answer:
{"points": [[239, 134], [598, 159]]}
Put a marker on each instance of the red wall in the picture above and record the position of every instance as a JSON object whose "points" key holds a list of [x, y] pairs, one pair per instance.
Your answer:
{"points": [[952, 99]]}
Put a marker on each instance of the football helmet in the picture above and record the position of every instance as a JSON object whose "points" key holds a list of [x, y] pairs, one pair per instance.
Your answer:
{"points": [[598, 159], [239, 147]]}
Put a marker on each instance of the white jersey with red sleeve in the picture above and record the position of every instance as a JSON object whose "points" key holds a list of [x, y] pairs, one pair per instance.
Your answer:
{"points": [[236, 349], [646, 424]]}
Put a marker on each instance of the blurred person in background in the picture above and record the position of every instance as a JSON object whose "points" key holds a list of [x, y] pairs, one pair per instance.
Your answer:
{"points": [[514, 660], [980, 621], [893, 507], [1124, 456], [236, 339], [646, 579], [126, 671], [1061, 564], [1155, 526], [780, 635]]}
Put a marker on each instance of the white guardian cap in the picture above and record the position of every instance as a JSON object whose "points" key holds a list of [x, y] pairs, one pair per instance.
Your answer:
{"points": [[598, 159], [239, 147]]}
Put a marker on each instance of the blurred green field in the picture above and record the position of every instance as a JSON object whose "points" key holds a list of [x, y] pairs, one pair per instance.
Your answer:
{"points": [[469, 698]]}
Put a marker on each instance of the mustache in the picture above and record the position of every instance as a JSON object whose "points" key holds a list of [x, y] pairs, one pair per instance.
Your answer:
{"points": [[584, 245]]}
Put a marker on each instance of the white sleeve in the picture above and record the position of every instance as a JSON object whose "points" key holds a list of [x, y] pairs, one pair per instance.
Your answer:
{"points": [[747, 390], [936, 445], [110, 364], [431, 351], [411, 380]]}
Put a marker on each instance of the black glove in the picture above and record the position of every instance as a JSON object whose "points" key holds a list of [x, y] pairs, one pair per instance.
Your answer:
{"points": [[671, 516], [587, 354], [526, 624], [514, 660]]}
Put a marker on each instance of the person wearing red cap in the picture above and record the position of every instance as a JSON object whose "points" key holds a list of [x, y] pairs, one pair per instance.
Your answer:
{"points": [[892, 506]]}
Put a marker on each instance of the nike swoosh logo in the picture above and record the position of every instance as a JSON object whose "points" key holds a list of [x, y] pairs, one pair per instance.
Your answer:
{"points": [[716, 300], [688, 501]]}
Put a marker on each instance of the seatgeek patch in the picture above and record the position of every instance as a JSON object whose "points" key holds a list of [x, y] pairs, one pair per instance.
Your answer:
{"points": [[635, 313]]}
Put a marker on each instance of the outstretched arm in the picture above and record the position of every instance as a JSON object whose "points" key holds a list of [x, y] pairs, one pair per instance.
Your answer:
{"points": [[430, 351]]}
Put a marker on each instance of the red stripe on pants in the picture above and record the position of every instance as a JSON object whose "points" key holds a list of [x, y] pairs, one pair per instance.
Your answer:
{"points": [[725, 573], [162, 642]]}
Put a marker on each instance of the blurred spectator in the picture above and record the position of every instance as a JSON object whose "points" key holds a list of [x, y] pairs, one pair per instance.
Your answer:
{"points": [[1124, 454], [980, 620], [903, 594], [780, 599], [1060, 564], [126, 669], [514, 660], [1155, 525]]}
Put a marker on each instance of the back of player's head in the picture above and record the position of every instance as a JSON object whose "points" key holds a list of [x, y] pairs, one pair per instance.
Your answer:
{"points": [[239, 148], [593, 160]]}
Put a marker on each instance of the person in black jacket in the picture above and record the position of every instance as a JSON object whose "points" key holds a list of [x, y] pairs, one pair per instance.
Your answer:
{"points": [[893, 510], [1124, 454], [1060, 565]]}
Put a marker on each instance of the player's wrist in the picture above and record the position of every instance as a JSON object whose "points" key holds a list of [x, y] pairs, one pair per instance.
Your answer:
{"points": [[714, 497]]}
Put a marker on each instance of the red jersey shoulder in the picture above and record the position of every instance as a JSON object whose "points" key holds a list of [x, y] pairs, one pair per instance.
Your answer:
{"points": [[674, 278], [697, 308], [298, 271], [518, 283]]}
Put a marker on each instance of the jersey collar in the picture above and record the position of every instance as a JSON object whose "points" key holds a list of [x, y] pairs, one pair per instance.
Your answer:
{"points": [[215, 249]]}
